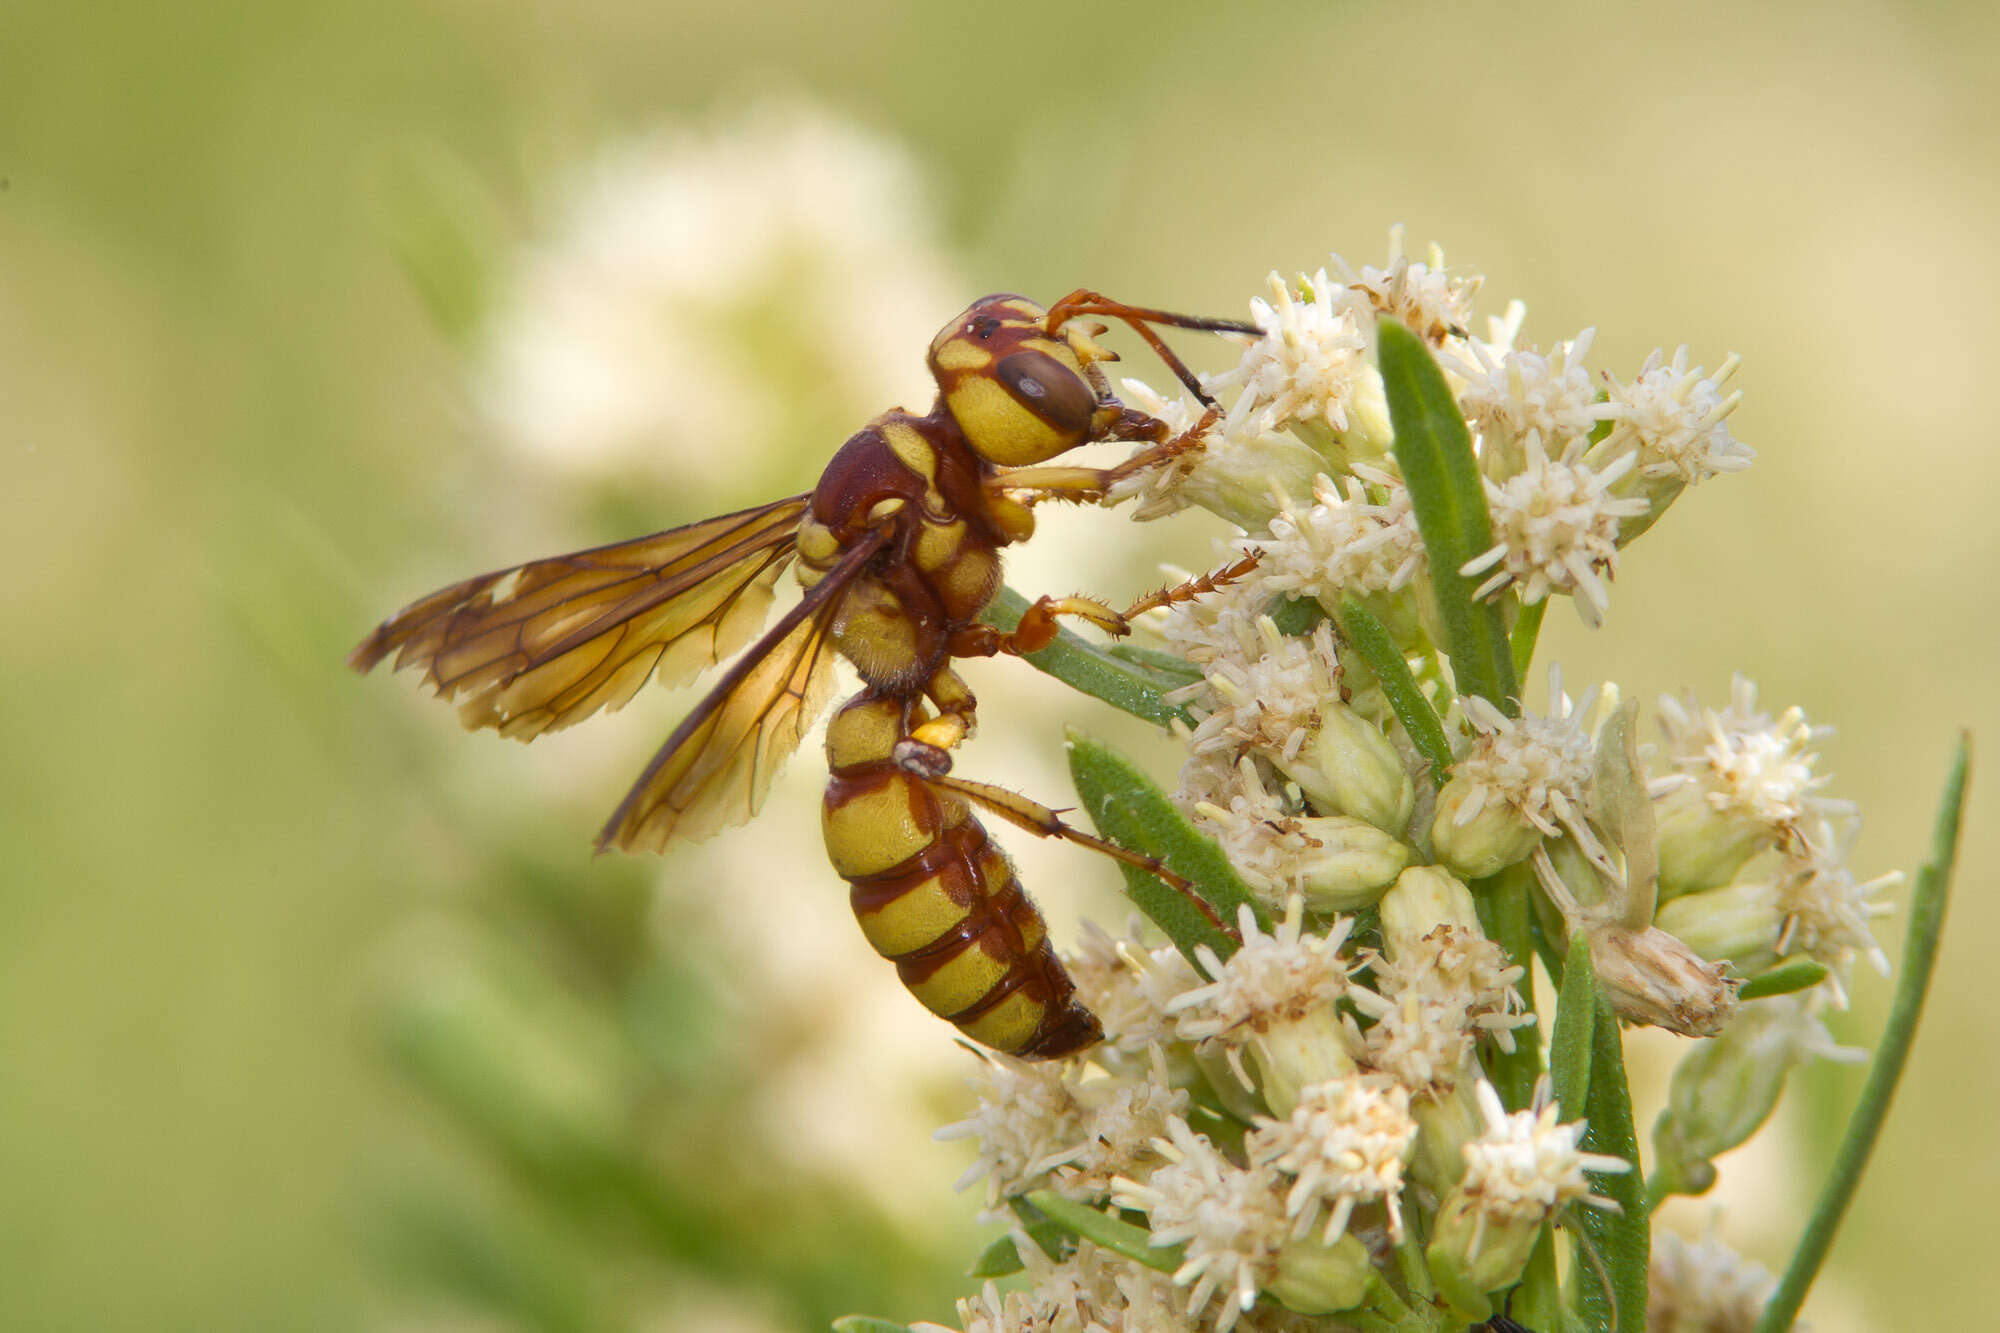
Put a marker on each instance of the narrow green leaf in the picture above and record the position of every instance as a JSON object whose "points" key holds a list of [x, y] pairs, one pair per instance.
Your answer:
{"points": [[1570, 1044], [1621, 806], [1296, 615], [1434, 451], [1784, 979], [1385, 659], [1527, 629], [1107, 1232], [867, 1323], [1043, 1232], [1920, 945], [1130, 809], [1504, 912], [1081, 665], [999, 1259], [1621, 1239], [1163, 667], [1538, 1300]]}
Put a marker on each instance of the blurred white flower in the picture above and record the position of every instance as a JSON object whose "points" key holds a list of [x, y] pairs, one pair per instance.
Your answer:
{"points": [[705, 296]]}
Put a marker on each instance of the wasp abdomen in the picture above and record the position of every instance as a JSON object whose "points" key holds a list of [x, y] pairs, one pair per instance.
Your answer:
{"points": [[934, 894]]}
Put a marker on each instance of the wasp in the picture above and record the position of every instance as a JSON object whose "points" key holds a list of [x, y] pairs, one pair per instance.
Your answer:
{"points": [[898, 550]]}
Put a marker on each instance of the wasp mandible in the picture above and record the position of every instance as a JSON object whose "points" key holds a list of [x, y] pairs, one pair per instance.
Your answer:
{"points": [[898, 550]]}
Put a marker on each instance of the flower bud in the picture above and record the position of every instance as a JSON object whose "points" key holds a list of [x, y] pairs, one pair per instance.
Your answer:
{"points": [[1422, 899], [1444, 1126], [1294, 1055], [1473, 1253], [1238, 479], [1369, 435], [1350, 768], [1702, 847], [1493, 837], [1351, 865], [1316, 1278], [1725, 1089], [1652, 978], [1738, 924]]}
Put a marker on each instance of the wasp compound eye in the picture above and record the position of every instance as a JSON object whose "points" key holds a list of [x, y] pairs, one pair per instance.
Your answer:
{"points": [[1049, 389]]}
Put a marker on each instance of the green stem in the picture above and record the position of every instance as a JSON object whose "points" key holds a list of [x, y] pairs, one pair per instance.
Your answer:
{"points": [[1920, 945]]}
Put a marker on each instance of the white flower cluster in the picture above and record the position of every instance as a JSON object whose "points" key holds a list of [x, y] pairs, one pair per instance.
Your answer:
{"points": [[1753, 856], [1313, 1123], [1576, 465]]}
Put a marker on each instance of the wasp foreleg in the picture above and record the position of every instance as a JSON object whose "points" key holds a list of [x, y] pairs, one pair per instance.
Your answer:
{"points": [[1100, 485]]}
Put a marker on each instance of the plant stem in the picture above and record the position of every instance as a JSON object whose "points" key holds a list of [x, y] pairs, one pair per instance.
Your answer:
{"points": [[1920, 945]]}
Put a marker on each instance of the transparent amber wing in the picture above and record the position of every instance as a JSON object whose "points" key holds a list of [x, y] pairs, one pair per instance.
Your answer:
{"points": [[543, 645], [718, 766]]}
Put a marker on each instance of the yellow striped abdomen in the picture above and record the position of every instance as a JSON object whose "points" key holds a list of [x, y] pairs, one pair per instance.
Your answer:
{"points": [[934, 895]]}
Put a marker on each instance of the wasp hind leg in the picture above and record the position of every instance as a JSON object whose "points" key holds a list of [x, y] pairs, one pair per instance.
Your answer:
{"points": [[925, 754]]}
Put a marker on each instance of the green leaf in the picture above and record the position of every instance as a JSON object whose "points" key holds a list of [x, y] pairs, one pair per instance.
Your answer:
{"points": [[867, 1323], [1504, 912], [1296, 615], [1434, 451], [1130, 809], [1570, 1044], [1619, 803], [999, 1259], [1076, 662], [1002, 1258], [1107, 1232], [1162, 666], [1622, 1240], [1784, 979], [1368, 637], [1920, 945]]}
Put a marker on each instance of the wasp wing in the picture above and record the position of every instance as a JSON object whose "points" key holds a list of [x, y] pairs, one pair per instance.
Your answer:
{"points": [[717, 767], [543, 645]]}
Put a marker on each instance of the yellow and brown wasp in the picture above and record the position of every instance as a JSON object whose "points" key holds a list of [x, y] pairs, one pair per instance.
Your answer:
{"points": [[898, 550]]}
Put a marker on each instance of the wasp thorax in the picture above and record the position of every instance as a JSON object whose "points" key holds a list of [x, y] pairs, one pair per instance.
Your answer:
{"points": [[1019, 393]]}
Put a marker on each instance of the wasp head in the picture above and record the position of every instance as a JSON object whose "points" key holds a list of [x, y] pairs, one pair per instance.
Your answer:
{"points": [[1019, 391]]}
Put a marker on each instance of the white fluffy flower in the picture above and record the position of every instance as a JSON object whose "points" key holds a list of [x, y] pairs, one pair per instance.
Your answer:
{"points": [[1029, 1119], [1538, 765], [1232, 1220], [1519, 399], [1826, 910], [1704, 1287], [1127, 983], [1358, 536], [1422, 294], [1241, 475], [1744, 762], [1525, 1165], [1344, 1144], [1677, 419], [1555, 527], [1307, 363]]}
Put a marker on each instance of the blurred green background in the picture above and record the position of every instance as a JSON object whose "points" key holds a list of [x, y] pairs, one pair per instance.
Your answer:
{"points": [[316, 1013]]}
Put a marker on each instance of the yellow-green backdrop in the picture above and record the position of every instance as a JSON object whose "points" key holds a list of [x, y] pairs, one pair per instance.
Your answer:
{"points": [[315, 1013]]}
